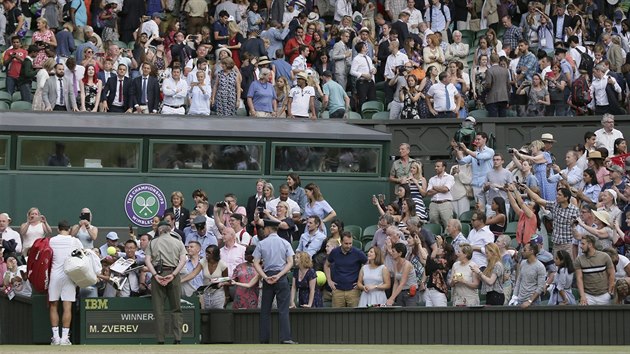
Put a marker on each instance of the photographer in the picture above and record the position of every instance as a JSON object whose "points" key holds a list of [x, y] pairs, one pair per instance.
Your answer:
{"points": [[84, 230], [538, 96], [223, 210], [400, 84], [12, 59]]}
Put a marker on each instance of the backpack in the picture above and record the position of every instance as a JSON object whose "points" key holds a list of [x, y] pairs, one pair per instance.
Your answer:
{"points": [[65, 11], [39, 263], [586, 62], [466, 135], [580, 92]]}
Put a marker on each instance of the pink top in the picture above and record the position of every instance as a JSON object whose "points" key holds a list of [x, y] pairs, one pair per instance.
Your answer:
{"points": [[232, 256], [41, 55], [601, 175]]}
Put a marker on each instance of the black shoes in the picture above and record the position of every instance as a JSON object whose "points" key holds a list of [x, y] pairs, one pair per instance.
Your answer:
{"points": [[177, 341], [289, 342]]}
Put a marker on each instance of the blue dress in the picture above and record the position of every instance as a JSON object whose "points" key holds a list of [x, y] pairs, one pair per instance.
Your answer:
{"points": [[304, 290], [547, 189]]}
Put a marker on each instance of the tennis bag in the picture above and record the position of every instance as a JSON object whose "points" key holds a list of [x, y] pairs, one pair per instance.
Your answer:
{"points": [[39, 263], [80, 269]]}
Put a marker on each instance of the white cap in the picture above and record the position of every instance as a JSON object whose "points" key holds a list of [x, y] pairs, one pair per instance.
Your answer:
{"points": [[471, 119]]}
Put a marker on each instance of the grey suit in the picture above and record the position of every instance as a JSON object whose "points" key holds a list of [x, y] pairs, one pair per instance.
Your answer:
{"points": [[49, 93], [342, 63], [497, 83]]}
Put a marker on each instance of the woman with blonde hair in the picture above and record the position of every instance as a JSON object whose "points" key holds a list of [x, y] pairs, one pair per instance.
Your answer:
{"points": [[464, 282], [492, 277], [35, 227], [374, 279], [305, 282], [282, 96], [234, 42], [417, 188], [433, 54], [45, 40], [42, 76]]}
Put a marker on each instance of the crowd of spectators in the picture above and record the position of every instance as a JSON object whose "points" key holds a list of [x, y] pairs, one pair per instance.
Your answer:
{"points": [[532, 232], [301, 58]]}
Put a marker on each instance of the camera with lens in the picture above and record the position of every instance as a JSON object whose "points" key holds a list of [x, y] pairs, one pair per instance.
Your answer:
{"points": [[401, 70], [221, 204], [511, 150], [261, 211]]}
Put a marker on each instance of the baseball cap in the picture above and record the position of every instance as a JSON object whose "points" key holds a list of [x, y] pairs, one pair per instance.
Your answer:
{"points": [[113, 236]]}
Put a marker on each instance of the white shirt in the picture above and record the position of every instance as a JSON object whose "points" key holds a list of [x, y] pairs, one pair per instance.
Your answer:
{"points": [[10, 234], [299, 63], [151, 28], [200, 103], [445, 180], [598, 90], [393, 61], [480, 238], [607, 140], [174, 92], [62, 246], [117, 101], [294, 208], [361, 64], [620, 271], [438, 93], [79, 72], [414, 19], [61, 99], [192, 76], [287, 17], [342, 8], [301, 100]]}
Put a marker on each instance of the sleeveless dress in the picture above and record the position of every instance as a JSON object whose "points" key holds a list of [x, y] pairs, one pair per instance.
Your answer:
{"points": [[422, 105], [32, 233], [38, 102], [303, 288], [226, 93], [410, 109], [85, 238], [245, 298], [480, 81], [421, 210], [373, 277], [90, 96]]}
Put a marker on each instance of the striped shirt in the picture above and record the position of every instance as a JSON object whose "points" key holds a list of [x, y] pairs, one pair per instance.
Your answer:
{"points": [[594, 274]]}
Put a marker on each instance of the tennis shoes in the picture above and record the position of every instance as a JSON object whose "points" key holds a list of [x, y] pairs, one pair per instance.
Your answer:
{"points": [[60, 341]]}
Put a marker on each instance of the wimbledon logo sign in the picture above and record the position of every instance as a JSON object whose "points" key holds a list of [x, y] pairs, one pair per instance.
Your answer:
{"points": [[143, 202]]}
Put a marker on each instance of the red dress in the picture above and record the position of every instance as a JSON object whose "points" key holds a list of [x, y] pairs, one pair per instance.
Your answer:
{"points": [[235, 52], [245, 298]]}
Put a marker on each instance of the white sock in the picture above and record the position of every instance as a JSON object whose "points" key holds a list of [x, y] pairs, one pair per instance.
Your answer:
{"points": [[64, 332], [55, 332]]}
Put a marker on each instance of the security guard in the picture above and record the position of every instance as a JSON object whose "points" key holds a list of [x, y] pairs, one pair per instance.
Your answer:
{"points": [[277, 257], [165, 258]]}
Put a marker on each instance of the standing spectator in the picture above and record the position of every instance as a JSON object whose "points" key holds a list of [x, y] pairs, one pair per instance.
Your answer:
{"points": [[492, 277], [442, 98], [115, 95], [454, 230], [45, 39], [196, 13], [437, 269], [464, 278], [335, 98], [524, 210], [342, 273], [166, 285], [78, 15], [91, 88], [317, 206], [43, 75], [537, 96], [561, 293], [232, 253], [563, 214], [439, 189], [595, 274], [275, 34], [277, 257], [363, 70], [312, 238], [305, 283], [479, 237], [398, 85], [572, 174], [530, 282], [438, 16], [246, 281], [295, 47], [193, 250], [433, 54], [301, 102], [405, 280], [27, 74], [225, 94], [512, 34], [144, 92], [498, 94], [175, 90], [342, 56], [61, 287], [12, 60], [540, 158], [479, 160], [261, 98], [58, 94], [373, 279], [74, 72], [495, 181], [598, 90], [216, 295], [253, 45], [607, 135], [15, 19]]}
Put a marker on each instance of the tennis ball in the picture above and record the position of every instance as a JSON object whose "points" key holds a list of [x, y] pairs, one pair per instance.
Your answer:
{"points": [[321, 278], [111, 250]]}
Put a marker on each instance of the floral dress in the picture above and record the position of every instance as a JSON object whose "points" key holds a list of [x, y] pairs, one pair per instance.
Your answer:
{"points": [[226, 93], [304, 290], [245, 298], [41, 54], [480, 82], [90, 96], [422, 105], [410, 109], [535, 109]]}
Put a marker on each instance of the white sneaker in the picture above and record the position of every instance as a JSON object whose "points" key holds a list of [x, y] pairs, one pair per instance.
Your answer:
{"points": [[65, 341], [55, 341]]}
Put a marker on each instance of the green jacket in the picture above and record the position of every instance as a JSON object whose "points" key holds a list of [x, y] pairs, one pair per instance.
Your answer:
{"points": [[27, 73]]}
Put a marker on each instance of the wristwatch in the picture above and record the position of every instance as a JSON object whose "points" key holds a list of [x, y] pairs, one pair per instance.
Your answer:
{"points": [[529, 300]]}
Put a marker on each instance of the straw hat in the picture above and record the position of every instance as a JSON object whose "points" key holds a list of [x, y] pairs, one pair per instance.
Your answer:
{"points": [[595, 155], [547, 137], [603, 216]]}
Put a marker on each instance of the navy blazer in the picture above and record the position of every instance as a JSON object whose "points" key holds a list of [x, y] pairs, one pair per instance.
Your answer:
{"points": [[110, 88], [153, 93]]}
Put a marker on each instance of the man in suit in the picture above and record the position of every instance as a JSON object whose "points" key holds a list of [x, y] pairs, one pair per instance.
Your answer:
{"points": [[27, 74], [560, 23], [613, 53], [107, 72], [145, 92], [115, 95], [181, 215], [498, 86], [58, 93], [401, 26]]}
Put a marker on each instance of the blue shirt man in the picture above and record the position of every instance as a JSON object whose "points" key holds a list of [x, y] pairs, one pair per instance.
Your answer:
{"points": [[202, 235], [480, 160], [342, 271], [312, 238], [80, 14]]}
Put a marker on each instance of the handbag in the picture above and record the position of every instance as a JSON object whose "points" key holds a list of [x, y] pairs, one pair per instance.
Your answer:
{"points": [[474, 25]]}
